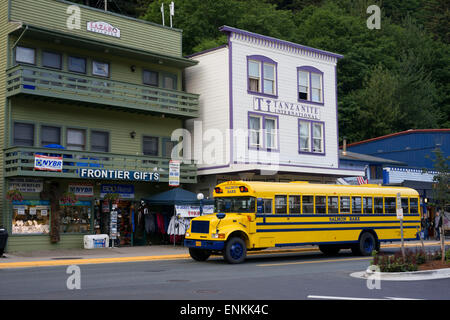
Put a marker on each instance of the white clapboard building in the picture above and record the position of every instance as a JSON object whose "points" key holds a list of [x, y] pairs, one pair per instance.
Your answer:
{"points": [[268, 111]]}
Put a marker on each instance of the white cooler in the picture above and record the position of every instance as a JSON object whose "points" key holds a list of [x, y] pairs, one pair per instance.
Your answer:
{"points": [[96, 241]]}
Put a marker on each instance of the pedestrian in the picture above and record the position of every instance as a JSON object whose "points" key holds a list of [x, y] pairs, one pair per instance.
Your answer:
{"points": [[425, 226], [438, 224]]}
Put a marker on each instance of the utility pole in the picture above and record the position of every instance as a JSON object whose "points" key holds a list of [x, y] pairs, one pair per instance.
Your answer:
{"points": [[106, 5]]}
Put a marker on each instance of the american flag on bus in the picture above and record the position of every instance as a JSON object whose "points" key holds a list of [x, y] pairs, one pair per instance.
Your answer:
{"points": [[362, 180]]}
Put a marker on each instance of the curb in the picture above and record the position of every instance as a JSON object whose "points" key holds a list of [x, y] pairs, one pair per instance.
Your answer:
{"points": [[403, 276]]}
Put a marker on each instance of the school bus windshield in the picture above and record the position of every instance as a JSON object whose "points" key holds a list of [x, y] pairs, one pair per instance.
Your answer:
{"points": [[234, 204]]}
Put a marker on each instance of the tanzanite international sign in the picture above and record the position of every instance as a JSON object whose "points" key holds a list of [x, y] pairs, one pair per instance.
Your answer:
{"points": [[103, 28], [119, 175], [288, 108]]}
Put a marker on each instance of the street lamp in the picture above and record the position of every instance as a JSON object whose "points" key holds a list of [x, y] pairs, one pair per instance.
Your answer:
{"points": [[200, 197]]}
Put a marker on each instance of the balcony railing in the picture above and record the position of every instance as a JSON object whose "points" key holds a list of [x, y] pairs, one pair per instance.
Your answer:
{"points": [[20, 161], [86, 89]]}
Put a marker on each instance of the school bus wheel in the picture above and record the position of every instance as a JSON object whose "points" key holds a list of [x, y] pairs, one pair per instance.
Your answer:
{"points": [[235, 250], [366, 244], [199, 254]]}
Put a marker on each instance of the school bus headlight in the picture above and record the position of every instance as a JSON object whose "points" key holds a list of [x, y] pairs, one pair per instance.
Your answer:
{"points": [[218, 235], [187, 234]]}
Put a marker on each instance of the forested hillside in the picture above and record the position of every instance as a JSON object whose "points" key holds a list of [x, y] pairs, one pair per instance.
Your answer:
{"points": [[391, 79]]}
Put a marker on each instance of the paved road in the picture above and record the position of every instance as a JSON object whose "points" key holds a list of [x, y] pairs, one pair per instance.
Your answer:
{"points": [[300, 276]]}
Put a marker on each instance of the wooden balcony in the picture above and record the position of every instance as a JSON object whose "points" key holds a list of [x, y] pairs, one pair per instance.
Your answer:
{"points": [[20, 161], [87, 90]]}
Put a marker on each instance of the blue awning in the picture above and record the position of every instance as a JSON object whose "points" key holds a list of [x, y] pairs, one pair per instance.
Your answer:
{"points": [[176, 196]]}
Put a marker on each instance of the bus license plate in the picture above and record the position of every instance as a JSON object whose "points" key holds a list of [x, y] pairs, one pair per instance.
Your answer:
{"points": [[198, 243]]}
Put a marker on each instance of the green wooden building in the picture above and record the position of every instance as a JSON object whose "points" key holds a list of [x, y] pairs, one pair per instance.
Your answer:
{"points": [[89, 100]]}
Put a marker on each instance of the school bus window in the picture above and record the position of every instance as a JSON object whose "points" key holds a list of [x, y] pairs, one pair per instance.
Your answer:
{"points": [[333, 205], [234, 204], [308, 204], [345, 204], [405, 205], [389, 205], [414, 205], [356, 204], [367, 205], [321, 204], [294, 204], [378, 204], [267, 204], [281, 204]]}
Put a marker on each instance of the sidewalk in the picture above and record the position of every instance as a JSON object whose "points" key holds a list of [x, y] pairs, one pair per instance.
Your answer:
{"points": [[141, 253]]}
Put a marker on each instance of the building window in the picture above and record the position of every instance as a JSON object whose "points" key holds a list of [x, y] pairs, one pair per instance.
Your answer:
{"points": [[23, 134], [100, 69], [254, 126], [50, 135], [151, 146], [310, 84], [99, 141], [76, 64], [167, 147], [76, 139], [25, 55], [263, 132], [75, 219], [51, 60], [311, 137], [150, 78], [262, 75], [169, 81]]}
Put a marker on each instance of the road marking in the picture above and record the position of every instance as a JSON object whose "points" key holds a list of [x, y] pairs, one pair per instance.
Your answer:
{"points": [[306, 262], [352, 298], [51, 263]]}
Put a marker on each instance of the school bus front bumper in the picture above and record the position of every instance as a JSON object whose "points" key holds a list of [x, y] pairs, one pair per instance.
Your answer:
{"points": [[205, 244]]}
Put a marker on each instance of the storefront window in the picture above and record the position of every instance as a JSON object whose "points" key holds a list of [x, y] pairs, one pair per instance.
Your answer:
{"points": [[76, 218], [31, 217]]}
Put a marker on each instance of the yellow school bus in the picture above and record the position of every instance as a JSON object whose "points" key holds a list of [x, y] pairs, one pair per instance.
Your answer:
{"points": [[252, 215]]}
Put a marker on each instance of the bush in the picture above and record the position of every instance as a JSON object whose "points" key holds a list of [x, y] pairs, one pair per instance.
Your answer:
{"points": [[411, 262], [396, 263]]}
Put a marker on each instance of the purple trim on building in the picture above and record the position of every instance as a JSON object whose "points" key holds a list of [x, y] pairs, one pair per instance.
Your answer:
{"points": [[230, 94], [264, 116], [311, 152], [337, 122], [215, 167], [297, 166], [206, 51], [280, 42], [262, 60], [310, 70]]}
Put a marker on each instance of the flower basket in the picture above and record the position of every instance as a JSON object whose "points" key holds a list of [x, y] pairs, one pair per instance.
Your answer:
{"points": [[113, 197], [68, 198], [14, 195]]}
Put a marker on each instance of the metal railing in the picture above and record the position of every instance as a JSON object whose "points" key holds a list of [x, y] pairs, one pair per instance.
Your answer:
{"points": [[20, 161], [69, 85]]}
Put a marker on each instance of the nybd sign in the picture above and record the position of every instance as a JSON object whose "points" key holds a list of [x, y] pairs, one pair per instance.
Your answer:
{"points": [[47, 163]]}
